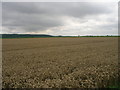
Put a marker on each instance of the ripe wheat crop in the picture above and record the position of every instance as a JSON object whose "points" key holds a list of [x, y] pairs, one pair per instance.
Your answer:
{"points": [[84, 62]]}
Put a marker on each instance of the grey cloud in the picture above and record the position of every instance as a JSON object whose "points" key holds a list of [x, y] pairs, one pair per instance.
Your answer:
{"points": [[38, 16], [65, 8], [34, 21]]}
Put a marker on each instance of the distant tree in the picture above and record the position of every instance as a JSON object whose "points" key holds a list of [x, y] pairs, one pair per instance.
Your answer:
{"points": [[60, 36]]}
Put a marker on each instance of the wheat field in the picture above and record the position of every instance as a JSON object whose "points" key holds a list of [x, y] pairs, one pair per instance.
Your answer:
{"points": [[84, 62]]}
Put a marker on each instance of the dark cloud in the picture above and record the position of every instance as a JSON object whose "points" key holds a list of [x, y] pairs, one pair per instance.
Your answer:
{"points": [[39, 16], [68, 8]]}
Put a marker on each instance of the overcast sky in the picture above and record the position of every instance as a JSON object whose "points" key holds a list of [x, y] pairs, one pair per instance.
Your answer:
{"points": [[60, 18]]}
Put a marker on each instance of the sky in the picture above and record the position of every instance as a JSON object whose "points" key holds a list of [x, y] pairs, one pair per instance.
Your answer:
{"points": [[60, 18]]}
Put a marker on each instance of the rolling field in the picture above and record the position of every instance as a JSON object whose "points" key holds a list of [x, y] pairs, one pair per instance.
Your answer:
{"points": [[84, 62]]}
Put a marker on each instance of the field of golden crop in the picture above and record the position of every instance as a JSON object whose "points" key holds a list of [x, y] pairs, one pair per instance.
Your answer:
{"points": [[84, 62]]}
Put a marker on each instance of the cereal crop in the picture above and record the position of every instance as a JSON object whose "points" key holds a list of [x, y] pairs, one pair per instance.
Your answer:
{"points": [[83, 62]]}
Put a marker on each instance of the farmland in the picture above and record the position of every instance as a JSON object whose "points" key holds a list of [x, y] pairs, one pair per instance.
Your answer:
{"points": [[84, 62]]}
